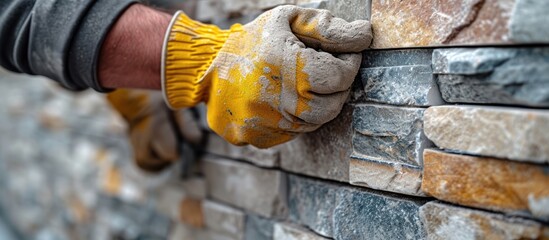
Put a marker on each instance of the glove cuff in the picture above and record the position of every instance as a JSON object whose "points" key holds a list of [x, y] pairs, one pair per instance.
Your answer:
{"points": [[189, 49]]}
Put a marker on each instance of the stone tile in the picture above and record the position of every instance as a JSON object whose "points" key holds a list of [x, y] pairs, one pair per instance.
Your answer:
{"points": [[258, 228], [516, 134], [388, 134], [516, 76], [224, 220], [191, 213], [243, 185], [495, 184], [261, 157], [312, 203], [525, 25], [341, 212], [392, 58], [443, 221], [286, 231], [358, 215], [399, 24], [323, 153], [349, 10], [470, 61], [182, 231], [412, 85], [385, 176]]}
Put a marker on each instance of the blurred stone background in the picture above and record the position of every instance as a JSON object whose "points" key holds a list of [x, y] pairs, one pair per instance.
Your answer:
{"points": [[445, 136]]}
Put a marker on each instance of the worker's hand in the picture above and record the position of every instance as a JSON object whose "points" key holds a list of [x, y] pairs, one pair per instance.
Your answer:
{"points": [[287, 72], [154, 129]]}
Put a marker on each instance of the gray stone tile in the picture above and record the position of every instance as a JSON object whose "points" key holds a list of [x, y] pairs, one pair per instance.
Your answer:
{"points": [[258, 228], [323, 153], [514, 76], [412, 85], [341, 212], [389, 134], [259, 190]]}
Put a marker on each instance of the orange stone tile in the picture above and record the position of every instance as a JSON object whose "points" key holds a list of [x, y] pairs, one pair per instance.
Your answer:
{"points": [[488, 183], [440, 22], [191, 213]]}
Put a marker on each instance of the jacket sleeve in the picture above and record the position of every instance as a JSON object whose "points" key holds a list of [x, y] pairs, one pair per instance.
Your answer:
{"points": [[58, 39]]}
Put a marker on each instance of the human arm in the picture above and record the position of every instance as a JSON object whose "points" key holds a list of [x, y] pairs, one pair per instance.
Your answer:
{"points": [[58, 39]]}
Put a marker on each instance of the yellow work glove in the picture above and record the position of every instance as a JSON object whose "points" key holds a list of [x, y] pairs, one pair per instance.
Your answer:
{"points": [[154, 129], [287, 72]]}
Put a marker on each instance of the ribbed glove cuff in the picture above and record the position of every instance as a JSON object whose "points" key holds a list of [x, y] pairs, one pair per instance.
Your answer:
{"points": [[189, 49]]}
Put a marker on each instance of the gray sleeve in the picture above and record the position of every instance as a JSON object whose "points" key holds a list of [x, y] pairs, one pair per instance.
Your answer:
{"points": [[58, 39]]}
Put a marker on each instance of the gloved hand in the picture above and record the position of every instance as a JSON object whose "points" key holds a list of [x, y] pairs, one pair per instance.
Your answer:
{"points": [[155, 131], [285, 73]]}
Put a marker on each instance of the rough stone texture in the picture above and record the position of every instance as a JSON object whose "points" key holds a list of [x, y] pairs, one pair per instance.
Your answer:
{"points": [[258, 228], [459, 22], [182, 231], [285, 231], [323, 153], [349, 10], [470, 61], [342, 212], [224, 220], [516, 134], [388, 134], [527, 25], [238, 184], [386, 176], [312, 204], [518, 76], [260, 157], [391, 58], [444, 221], [401, 85], [488, 183], [401, 77]]}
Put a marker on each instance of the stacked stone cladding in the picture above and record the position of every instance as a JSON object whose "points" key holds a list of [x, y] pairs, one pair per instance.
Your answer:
{"points": [[445, 136]]}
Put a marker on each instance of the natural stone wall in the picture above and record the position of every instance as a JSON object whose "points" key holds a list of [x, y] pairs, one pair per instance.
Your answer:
{"points": [[436, 141]]}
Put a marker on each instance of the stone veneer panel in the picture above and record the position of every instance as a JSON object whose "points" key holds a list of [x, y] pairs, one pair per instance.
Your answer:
{"points": [[224, 220], [399, 77], [258, 228], [495, 184], [511, 133], [386, 176], [389, 134], [243, 185], [323, 153], [398, 24], [342, 212], [443, 221], [412, 85], [515, 76], [285, 231], [387, 148]]}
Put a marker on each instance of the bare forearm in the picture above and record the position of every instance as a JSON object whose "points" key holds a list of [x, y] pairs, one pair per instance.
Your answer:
{"points": [[130, 55]]}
